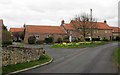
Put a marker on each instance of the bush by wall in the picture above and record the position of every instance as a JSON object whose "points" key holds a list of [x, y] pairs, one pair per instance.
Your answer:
{"points": [[59, 40], [87, 39], [105, 40], [39, 41], [95, 39], [6, 38], [32, 40], [49, 40], [117, 38]]}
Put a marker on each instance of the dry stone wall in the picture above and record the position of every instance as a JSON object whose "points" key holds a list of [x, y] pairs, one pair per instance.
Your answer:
{"points": [[14, 55]]}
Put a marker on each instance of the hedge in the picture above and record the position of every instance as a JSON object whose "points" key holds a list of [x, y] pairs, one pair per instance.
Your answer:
{"points": [[32, 40], [49, 40], [6, 38]]}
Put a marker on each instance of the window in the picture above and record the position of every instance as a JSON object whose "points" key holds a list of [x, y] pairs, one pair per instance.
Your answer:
{"points": [[97, 31], [49, 36], [37, 36], [70, 32], [105, 31]]}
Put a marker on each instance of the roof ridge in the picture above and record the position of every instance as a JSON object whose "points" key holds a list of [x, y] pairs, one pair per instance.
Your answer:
{"points": [[43, 25]]}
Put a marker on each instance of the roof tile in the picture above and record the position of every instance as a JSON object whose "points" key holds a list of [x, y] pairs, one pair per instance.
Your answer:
{"points": [[45, 29], [16, 29], [115, 29], [99, 25]]}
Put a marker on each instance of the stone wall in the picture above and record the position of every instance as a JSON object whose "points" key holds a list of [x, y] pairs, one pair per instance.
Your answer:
{"points": [[14, 55]]}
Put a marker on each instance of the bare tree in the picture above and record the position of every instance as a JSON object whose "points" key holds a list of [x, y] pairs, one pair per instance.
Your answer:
{"points": [[84, 25]]}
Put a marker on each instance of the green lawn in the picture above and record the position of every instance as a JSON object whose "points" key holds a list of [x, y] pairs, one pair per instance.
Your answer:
{"points": [[78, 45], [117, 56], [12, 68]]}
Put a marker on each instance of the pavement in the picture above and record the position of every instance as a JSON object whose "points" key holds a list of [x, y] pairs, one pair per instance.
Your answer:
{"points": [[79, 60]]}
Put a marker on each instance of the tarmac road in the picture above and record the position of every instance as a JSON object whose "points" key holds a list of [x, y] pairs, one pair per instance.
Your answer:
{"points": [[80, 60]]}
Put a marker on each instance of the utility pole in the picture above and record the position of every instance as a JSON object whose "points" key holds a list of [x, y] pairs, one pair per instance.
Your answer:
{"points": [[91, 14], [91, 23]]}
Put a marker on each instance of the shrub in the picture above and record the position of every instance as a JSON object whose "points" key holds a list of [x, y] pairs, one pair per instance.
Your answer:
{"points": [[6, 38], [67, 41], [59, 40], [75, 40], [39, 41], [87, 39], [79, 40], [32, 40], [95, 39], [105, 40], [117, 38], [22, 35], [49, 40], [66, 38]]}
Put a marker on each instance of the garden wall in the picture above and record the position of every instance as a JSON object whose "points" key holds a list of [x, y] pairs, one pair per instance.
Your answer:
{"points": [[14, 55]]}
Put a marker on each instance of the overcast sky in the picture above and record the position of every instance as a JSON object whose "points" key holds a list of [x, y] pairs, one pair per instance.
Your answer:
{"points": [[50, 12]]}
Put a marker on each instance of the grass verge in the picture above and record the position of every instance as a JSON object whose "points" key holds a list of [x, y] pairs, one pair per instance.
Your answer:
{"points": [[117, 56], [12, 68], [78, 45]]}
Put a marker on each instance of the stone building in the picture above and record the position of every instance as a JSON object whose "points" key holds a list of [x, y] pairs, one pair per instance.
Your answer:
{"points": [[115, 32], [15, 33], [42, 32], [102, 31]]}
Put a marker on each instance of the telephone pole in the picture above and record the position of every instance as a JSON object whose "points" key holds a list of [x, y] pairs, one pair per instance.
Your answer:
{"points": [[91, 27], [91, 14]]}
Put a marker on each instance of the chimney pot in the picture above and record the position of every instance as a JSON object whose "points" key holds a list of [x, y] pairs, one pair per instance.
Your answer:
{"points": [[62, 22], [105, 21]]}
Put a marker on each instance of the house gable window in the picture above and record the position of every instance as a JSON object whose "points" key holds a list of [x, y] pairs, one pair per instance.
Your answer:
{"points": [[105, 31], [37, 36]]}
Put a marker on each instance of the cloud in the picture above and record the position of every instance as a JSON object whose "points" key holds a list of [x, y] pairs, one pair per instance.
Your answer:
{"points": [[50, 12]]}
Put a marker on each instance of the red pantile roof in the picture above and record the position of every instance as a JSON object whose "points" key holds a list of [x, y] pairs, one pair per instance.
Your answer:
{"points": [[16, 29], [102, 25], [115, 29], [99, 25], [68, 27], [45, 29]]}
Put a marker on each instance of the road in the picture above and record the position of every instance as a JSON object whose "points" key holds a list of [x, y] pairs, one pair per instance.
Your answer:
{"points": [[85, 60]]}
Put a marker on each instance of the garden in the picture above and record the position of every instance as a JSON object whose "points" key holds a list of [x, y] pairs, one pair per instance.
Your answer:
{"points": [[78, 44]]}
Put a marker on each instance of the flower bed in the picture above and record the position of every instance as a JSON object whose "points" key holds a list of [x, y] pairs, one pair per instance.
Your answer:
{"points": [[79, 44]]}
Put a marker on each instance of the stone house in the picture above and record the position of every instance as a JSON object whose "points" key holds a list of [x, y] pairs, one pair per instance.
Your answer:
{"points": [[72, 34], [42, 32], [102, 31], [115, 32], [15, 33], [2, 26]]}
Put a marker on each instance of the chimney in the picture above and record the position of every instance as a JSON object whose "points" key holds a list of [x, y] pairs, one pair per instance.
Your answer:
{"points": [[90, 14], [105, 21], [76, 19], [62, 22], [24, 25], [79, 19]]}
